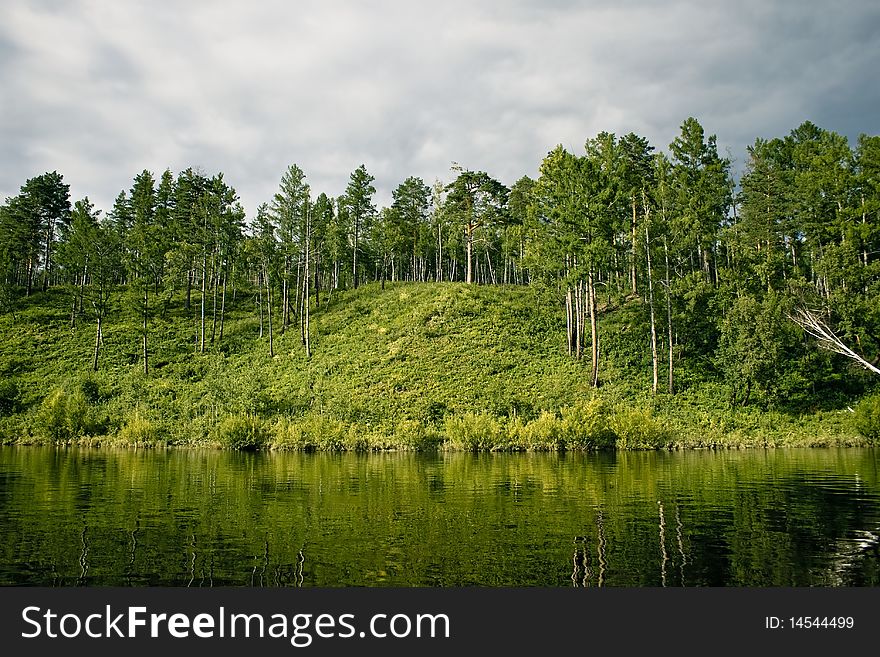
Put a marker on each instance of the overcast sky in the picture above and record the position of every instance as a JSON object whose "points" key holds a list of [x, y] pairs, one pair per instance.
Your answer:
{"points": [[100, 90]]}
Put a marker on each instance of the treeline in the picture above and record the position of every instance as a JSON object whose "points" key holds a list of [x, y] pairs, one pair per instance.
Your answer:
{"points": [[717, 267]]}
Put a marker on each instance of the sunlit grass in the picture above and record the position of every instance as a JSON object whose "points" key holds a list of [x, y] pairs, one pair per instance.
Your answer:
{"points": [[413, 366]]}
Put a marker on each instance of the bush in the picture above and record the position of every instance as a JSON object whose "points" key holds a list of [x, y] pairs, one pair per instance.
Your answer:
{"points": [[637, 429], [64, 416], [313, 432], [587, 425], [242, 432], [867, 418], [9, 397], [138, 431], [473, 431], [90, 391], [412, 434], [546, 432]]}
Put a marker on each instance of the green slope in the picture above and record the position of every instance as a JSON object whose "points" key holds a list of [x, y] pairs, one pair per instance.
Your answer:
{"points": [[411, 366]]}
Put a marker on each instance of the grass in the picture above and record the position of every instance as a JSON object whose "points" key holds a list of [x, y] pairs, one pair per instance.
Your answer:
{"points": [[413, 366]]}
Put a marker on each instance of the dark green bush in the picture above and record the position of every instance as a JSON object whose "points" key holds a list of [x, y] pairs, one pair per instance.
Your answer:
{"points": [[90, 391], [867, 418], [9, 397]]}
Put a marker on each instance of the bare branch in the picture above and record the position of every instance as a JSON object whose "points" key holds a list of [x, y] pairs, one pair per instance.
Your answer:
{"points": [[827, 339]]}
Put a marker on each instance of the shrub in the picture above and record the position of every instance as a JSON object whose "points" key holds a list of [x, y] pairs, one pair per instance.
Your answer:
{"points": [[313, 432], [587, 425], [9, 397], [473, 431], [242, 432], [637, 429], [867, 418], [90, 391], [545, 432], [412, 434], [138, 431], [64, 416]]}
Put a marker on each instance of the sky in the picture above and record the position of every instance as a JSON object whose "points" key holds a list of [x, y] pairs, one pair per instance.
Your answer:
{"points": [[101, 90]]}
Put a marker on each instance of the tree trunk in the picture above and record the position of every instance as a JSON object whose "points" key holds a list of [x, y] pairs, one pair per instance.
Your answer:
{"points": [[489, 265], [285, 292], [269, 311], [73, 312], [578, 323], [49, 232], [634, 241], [202, 307], [189, 281], [260, 300], [306, 279], [569, 334], [469, 235], [594, 327], [317, 281], [670, 386], [82, 286], [354, 259], [215, 280], [439, 254], [97, 345], [222, 307], [654, 361], [146, 353]]}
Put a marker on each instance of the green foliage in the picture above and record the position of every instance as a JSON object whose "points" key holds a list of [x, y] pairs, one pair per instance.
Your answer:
{"points": [[473, 432], [412, 434], [492, 374], [241, 432], [138, 431], [63, 416], [317, 432], [757, 347], [587, 425], [636, 428], [867, 418], [9, 397]]}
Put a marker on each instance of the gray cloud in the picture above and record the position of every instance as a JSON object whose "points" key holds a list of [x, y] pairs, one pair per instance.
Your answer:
{"points": [[100, 91]]}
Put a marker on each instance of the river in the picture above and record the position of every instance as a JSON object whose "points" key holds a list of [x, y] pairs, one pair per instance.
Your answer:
{"points": [[87, 517]]}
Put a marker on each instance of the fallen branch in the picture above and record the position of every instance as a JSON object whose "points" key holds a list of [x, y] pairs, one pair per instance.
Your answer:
{"points": [[827, 338]]}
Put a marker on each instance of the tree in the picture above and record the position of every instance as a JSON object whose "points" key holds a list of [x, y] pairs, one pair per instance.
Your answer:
{"points": [[664, 201], [761, 234], [755, 347], [410, 203], [322, 218], [19, 246], [702, 185], [48, 196], [827, 339], [146, 251], [264, 231], [521, 204], [289, 207], [358, 202], [30, 225], [478, 201], [74, 251]]}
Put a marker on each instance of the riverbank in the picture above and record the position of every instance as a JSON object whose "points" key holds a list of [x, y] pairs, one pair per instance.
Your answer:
{"points": [[407, 367]]}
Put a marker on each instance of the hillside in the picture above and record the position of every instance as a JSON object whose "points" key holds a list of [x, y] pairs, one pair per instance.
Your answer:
{"points": [[412, 366]]}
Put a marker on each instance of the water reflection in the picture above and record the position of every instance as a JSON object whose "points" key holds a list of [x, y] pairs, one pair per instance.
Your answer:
{"points": [[134, 518]]}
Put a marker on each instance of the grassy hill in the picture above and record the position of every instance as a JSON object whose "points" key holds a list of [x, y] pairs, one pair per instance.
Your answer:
{"points": [[414, 366]]}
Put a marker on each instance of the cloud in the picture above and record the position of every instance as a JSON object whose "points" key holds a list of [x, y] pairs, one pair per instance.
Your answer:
{"points": [[100, 91]]}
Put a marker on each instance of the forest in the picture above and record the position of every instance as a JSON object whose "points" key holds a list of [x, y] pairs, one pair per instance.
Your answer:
{"points": [[625, 297]]}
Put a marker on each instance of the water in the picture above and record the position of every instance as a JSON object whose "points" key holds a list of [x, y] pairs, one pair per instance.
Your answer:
{"points": [[204, 518]]}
